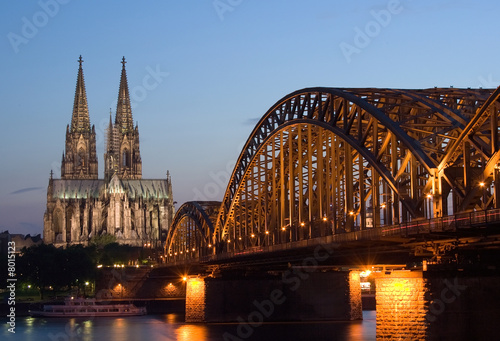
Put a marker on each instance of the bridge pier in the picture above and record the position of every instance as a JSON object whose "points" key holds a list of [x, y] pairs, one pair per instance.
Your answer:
{"points": [[438, 305], [293, 295], [195, 299], [401, 305]]}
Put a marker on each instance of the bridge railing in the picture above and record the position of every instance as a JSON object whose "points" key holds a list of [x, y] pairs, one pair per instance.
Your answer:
{"points": [[443, 224], [417, 227]]}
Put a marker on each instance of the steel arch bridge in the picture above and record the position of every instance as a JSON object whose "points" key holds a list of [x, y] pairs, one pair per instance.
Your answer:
{"points": [[194, 229], [326, 161]]}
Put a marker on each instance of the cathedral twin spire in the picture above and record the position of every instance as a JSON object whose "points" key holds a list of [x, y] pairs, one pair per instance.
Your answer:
{"points": [[122, 155], [123, 109], [80, 160], [80, 121]]}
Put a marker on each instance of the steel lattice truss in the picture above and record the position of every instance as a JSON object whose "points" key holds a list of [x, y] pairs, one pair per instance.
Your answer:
{"points": [[323, 161], [193, 229]]}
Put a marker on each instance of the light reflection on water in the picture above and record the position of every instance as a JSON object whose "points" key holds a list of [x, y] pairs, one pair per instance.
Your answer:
{"points": [[171, 327], [189, 332]]}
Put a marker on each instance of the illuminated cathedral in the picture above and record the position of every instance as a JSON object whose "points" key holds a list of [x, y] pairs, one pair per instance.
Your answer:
{"points": [[80, 205]]}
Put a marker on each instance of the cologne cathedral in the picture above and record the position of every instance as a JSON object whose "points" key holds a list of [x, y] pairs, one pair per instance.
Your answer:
{"points": [[136, 211]]}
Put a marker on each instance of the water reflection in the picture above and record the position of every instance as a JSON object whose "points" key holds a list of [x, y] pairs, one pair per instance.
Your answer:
{"points": [[29, 325], [170, 327], [363, 330], [189, 332], [88, 330], [173, 318], [119, 323]]}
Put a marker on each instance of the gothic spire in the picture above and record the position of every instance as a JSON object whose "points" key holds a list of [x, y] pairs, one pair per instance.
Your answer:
{"points": [[80, 159], [123, 109], [80, 121], [110, 145]]}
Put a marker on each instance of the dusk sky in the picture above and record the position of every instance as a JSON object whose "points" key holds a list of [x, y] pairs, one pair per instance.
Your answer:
{"points": [[201, 73]]}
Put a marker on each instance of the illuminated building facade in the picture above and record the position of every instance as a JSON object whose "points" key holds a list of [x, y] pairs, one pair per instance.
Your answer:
{"points": [[79, 205]]}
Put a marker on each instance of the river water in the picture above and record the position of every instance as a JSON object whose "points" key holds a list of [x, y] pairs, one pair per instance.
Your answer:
{"points": [[171, 327]]}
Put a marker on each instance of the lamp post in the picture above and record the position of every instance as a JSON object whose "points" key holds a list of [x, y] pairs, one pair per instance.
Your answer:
{"points": [[120, 286]]}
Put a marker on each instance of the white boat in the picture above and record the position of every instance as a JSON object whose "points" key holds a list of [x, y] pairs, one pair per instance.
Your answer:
{"points": [[87, 308]]}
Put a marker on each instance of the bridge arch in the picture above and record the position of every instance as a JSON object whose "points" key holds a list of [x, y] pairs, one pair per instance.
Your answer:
{"points": [[191, 231], [389, 143]]}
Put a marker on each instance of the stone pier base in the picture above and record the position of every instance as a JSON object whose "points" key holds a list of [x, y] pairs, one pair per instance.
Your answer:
{"points": [[438, 305], [401, 306], [195, 299]]}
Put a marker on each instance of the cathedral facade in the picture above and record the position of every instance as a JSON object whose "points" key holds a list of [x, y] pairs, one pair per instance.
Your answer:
{"points": [[136, 211]]}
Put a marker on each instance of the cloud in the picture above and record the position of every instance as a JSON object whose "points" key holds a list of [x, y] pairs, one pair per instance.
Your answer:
{"points": [[24, 190], [252, 121]]}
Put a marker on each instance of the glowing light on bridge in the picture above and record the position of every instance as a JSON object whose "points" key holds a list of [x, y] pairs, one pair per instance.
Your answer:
{"points": [[365, 273]]}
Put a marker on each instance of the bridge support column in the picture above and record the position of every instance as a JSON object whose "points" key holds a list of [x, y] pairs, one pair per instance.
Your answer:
{"points": [[195, 299], [438, 305], [401, 306], [295, 295]]}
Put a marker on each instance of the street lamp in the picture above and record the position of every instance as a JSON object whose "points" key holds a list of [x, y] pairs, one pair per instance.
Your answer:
{"points": [[85, 289], [120, 286]]}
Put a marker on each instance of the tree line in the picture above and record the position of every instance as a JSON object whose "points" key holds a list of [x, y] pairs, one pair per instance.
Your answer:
{"points": [[49, 268]]}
